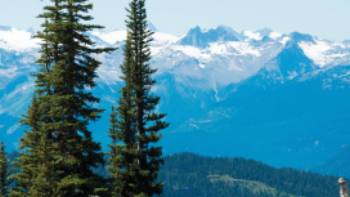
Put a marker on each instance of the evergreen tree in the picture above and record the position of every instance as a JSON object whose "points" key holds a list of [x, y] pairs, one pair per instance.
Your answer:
{"points": [[37, 172], [135, 125], [58, 153], [3, 171], [72, 104], [36, 176]]}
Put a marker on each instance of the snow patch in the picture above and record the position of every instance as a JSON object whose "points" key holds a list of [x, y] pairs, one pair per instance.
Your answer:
{"points": [[275, 35], [192, 51], [317, 51], [252, 35], [17, 40], [202, 66], [241, 48], [165, 38], [111, 37], [285, 40]]}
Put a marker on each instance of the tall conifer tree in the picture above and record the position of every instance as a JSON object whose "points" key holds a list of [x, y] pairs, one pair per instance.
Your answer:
{"points": [[136, 124], [58, 152], [72, 104], [37, 174], [36, 165], [3, 171]]}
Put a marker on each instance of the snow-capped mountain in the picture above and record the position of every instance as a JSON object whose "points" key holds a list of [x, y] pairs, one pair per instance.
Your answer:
{"points": [[281, 98], [199, 38]]}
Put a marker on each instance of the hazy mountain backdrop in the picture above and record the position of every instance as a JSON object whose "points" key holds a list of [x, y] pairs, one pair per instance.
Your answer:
{"points": [[279, 98]]}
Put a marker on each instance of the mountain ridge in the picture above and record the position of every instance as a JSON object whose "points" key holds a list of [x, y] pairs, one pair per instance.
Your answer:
{"points": [[282, 92]]}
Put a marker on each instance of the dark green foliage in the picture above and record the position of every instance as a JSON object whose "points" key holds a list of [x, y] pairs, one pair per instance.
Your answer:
{"points": [[192, 175], [3, 171], [36, 173], [58, 154], [135, 124], [197, 176]]}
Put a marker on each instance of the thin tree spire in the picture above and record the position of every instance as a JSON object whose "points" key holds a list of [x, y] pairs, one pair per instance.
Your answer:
{"points": [[135, 123]]}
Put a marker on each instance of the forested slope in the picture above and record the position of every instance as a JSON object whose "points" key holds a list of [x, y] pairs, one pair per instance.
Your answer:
{"points": [[195, 176]]}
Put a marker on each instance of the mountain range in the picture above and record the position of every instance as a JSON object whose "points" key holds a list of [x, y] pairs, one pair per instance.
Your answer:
{"points": [[281, 98]]}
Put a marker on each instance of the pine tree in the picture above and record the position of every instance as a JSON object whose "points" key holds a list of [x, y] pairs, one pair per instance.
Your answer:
{"points": [[135, 130], [37, 172], [72, 104], [35, 156], [58, 152], [36, 166], [3, 171]]}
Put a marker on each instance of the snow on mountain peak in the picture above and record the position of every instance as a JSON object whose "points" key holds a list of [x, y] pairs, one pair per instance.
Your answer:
{"points": [[164, 38], [111, 37], [262, 35], [317, 51], [216, 52], [114, 37], [251, 35], [17, 40], [275, 35], [203, 38], [300, 37]]}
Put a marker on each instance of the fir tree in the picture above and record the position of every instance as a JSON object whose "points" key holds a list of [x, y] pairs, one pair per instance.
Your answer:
{"points": [[135, 125], [72, 104], [3, 171], [58, 152], [36, 176]]}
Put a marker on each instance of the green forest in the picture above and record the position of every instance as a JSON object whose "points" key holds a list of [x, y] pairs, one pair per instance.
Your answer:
{"points": [[188, 174], [193, 175]]}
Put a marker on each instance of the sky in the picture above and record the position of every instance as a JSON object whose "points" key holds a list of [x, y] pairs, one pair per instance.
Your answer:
{"points": [[329, 19]]}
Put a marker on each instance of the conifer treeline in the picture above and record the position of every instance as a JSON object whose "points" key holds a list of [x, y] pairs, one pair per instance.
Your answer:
{"points": [[3, 171], [58, 155]]}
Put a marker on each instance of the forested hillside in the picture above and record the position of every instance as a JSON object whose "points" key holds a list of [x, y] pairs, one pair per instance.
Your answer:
{"points": [[192, 175], [197, 176]]}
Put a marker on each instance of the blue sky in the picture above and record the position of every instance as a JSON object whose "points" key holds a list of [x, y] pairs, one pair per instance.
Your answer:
{"points": [[325, 18]]}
